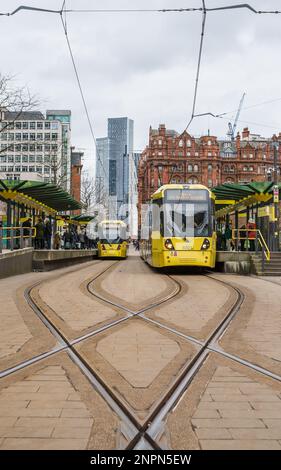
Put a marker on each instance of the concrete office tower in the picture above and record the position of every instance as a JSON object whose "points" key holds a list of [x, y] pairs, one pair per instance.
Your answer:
{"points": [[121, 135], [33, 148], [64, 117]]}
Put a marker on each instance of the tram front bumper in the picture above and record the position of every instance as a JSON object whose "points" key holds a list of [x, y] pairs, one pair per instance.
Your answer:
{"points": [[188, 258]]}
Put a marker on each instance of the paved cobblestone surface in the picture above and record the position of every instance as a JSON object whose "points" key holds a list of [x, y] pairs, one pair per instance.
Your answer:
{"points": [[198, 309], [256, 331], [70, 306], [138, 361], [228, 406], [52, 406], [138, 353]]}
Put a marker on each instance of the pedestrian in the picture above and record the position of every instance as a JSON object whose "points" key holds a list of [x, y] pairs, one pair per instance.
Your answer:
{"points": [[251, 234], [57, 241], [39, 237], [67, 239], [242, 235], [228, 237], [82, 239], [47, 233], [26, 232]]}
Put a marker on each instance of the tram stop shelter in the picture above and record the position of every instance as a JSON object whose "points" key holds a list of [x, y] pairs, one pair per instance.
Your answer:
{"points": [[256, 200], [34, 199]]}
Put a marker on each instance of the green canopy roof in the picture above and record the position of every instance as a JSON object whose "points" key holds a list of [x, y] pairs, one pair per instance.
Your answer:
{"points": [[44, 193], [83, 218], [239, 193]]}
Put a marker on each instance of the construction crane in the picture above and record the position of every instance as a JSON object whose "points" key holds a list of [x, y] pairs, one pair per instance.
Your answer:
{"points": [[232, 128]]}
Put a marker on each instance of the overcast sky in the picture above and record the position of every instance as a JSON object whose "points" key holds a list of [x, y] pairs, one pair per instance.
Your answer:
{"points": [[143, 65]]}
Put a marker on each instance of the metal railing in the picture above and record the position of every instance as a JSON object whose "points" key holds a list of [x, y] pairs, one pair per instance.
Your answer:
{"points": [[16, 238], [258, 241]]}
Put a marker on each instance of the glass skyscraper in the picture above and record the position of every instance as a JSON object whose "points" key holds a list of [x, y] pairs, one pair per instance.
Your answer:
{"points": [[113, 154], [120, 131]]}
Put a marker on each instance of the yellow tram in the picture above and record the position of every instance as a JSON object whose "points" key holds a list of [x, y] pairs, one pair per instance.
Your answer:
{"points": [[112, 239], [178, 227]]}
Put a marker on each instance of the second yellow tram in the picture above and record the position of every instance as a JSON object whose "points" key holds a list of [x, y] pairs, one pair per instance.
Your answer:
{"points": [[178, 227], [112, 239]]}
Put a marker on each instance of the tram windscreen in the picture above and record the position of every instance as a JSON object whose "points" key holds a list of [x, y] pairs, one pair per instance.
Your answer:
{"points": [[111, 234], [186, 213]]}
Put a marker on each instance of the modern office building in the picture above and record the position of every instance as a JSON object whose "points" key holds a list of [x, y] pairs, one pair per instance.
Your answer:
{"points": [[34, 147], [113, 159]]}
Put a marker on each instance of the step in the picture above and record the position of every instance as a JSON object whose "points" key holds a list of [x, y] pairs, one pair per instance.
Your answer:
{"points": [[260, 273]]}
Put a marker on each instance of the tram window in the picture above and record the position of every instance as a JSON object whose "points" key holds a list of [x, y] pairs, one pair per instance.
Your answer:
{"points": [[188, 220]]}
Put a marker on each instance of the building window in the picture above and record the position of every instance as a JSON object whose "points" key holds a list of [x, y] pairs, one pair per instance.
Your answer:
{"points": [[47, 125], [159, 154], [32, 125], [47, 136], [39, 148], [25, 125], [188, 154], [39, 125], [18, 136], [25, 148], [39, 169], [210, 168], [190, 168], [10, 159], [39, 158], [25, 158], [39, 136], [251, 155], [180, 154], [32, 159], [244, 155], [24, 168], [32, 148], [188, 143], [181, 143], [18, 158], [196, 154], [24, 136], [210, 183], [160, 142], [196, 168], [18, 148], [18, 125], [209, 154], [209, 142], [54, 136], [251, 168]]}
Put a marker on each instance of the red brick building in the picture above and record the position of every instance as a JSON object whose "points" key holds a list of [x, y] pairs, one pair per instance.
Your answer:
{"points": [[76, 173], [180, 158]]}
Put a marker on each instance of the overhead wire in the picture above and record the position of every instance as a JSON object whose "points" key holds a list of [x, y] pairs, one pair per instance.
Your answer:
{"points": [[81, 90]]}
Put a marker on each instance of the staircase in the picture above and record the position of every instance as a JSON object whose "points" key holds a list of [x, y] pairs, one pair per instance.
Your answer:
{"points": [[271, 268]]}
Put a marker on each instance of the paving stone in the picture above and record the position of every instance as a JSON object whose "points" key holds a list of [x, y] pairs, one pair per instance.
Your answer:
{"points": [[235, 444], [44, 444], [147, 352]]}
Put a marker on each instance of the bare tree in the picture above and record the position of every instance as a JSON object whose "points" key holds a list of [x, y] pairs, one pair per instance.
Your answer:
{"points": [[93, 193], [15, 100]]}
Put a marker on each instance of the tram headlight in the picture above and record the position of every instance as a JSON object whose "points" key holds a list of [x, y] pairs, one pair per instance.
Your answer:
{"points": [[205, 244], [168, 244]]}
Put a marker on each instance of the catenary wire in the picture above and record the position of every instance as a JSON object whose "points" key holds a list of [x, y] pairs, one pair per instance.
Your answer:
{"points": [[82, 94]]}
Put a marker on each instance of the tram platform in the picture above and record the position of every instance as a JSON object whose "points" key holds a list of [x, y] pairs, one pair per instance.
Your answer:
{"points": [[15, 262], [238, 262], [26, 260], [47, 260]]}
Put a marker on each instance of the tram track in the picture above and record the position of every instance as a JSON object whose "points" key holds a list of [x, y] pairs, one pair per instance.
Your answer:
{"points": [[146, 435]]}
